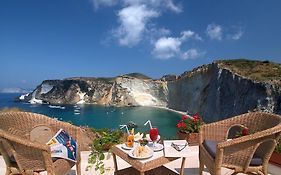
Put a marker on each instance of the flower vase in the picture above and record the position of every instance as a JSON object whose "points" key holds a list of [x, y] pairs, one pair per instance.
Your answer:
{"points": [[191, 138]]}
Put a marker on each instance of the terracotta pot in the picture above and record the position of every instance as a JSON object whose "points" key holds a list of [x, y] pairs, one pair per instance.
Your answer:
{"points": [[191, 138], [275, 159]]}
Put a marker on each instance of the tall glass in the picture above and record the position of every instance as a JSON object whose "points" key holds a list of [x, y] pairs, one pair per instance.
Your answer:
{"points": [[153, 134], [130, 140]]}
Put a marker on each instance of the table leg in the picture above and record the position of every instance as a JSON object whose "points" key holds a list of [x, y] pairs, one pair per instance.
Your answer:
{"points": [[182, 165], [115, 162]]}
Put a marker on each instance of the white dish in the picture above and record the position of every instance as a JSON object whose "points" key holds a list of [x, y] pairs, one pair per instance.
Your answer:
{"points": [[150, 154], [148, 138], [158, 147], [124, 146]]}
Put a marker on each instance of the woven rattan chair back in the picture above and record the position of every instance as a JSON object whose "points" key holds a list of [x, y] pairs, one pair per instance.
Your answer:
{"points": [[265, 130], [25, 153]]}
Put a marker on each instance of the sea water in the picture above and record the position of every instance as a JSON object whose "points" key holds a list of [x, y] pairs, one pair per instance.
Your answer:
{"points": [[97, 116]]}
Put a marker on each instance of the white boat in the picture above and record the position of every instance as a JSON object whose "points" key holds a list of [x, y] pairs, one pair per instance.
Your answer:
{"points": [[56, 107]]}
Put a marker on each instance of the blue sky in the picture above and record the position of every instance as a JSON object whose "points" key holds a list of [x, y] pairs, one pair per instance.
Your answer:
{"points": [[55, 39]]}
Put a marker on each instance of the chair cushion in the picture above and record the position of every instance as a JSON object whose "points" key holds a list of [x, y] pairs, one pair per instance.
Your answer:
{"points": [[211, 147]]}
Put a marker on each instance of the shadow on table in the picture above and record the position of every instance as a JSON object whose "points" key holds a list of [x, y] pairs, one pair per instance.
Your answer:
{"points": [[157, 171]]}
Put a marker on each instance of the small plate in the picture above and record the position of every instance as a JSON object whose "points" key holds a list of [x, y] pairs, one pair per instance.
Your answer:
{"points": [[146, 157], [158, 147], [124, 146], [148, 138]]}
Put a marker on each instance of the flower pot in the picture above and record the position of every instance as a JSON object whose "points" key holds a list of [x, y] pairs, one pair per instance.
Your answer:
{"points": [[275, 159], [191, 138]]}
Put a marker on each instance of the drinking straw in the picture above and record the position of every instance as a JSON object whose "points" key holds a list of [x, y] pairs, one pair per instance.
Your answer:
{"points": [[122, 126], [148, 121]]}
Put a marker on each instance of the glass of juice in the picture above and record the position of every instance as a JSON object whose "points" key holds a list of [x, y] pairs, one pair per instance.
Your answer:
{"points": [[153, 134], [130, 140]]}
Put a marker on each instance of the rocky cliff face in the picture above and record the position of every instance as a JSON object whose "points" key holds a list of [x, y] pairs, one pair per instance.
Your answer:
{"points": [[216, 93], [213, 91], [119, 91]]}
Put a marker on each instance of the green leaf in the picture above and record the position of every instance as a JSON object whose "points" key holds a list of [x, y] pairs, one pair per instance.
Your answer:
{"points": [[102, 156]]}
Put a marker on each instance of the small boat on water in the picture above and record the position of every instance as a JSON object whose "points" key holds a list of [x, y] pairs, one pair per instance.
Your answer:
{"points": [[76, 113], [76, 110], [56, 107]]}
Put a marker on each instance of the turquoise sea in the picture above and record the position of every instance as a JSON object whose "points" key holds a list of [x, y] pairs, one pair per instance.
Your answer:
{"points": [[102, 117]]}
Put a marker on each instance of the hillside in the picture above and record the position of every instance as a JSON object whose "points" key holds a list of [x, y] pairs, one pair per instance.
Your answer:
{"points": [[261, 71]]}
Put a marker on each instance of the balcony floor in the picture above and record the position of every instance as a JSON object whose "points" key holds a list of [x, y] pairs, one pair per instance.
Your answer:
{"points": [[191, 166]]}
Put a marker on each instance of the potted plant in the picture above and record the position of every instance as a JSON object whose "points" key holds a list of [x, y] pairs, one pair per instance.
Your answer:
{"points": [[105, 140], [188, 128], [276, 155]]}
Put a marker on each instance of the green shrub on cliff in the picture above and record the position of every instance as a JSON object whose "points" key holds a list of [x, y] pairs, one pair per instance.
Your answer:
{"points": [[253, 69]]}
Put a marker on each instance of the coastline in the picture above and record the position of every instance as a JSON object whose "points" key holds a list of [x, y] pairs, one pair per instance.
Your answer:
{"points": [[169, 109]]}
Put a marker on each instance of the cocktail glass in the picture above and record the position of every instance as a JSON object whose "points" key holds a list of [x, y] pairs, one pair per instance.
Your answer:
{"points": [[153, 134]]}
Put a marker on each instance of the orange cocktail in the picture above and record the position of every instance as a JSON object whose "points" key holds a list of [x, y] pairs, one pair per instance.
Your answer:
{"points": [[130, 140]]}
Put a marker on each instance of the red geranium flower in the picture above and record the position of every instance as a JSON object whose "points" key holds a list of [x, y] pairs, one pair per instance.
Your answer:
{"points": [[184, 117], [183, 125], [245, 131], [190, 124]]}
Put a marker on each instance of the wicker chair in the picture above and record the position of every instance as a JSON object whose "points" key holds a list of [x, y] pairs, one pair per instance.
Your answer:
{"points": [[245, 154], [23, 138]]}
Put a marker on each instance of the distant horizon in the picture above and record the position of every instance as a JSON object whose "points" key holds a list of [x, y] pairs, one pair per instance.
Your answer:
{"points": [[98, 38]]}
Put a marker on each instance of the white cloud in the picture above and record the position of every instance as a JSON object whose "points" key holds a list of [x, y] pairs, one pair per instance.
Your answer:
{"points": [[237, 35], [156, 4], [192, 54], [188, 34], [214, 31], [166, 48], [99, 3], [133, 20], [153, 34], [170, 5]]}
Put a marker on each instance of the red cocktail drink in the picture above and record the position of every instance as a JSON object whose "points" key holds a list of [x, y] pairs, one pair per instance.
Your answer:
{"points": [[153, 133]]}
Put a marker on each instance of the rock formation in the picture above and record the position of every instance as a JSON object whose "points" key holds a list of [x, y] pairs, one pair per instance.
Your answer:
{"points": [[215, 91]]}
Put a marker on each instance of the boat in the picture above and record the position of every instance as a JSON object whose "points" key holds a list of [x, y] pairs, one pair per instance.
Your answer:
{"points": [[56, 107]]}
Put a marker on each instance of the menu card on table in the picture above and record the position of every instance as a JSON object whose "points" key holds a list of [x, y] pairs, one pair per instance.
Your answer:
{"points": [[176, 148]]}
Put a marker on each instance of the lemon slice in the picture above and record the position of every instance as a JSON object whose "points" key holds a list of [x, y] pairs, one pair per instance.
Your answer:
{"points": [[138, 136]]}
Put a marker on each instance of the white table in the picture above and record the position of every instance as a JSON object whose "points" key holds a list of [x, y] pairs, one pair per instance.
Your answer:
{"points": [[158, 159]]}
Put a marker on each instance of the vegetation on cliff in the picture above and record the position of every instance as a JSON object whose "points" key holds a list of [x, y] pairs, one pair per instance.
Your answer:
{"points": [[262, 71], [137, 75]]}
